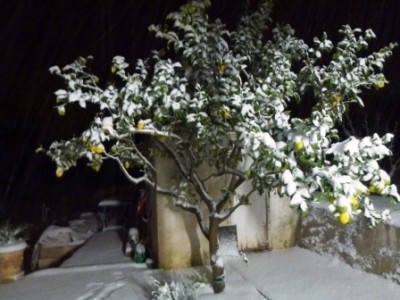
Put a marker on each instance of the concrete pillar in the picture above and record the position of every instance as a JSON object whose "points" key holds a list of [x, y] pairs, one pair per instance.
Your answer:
{"points": [[177, 239]]}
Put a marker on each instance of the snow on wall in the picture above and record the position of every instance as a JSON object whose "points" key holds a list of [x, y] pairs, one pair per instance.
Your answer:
{"points": [[375, 250]]}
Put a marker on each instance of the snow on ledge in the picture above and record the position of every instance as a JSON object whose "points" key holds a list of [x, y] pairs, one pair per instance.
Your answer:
{"points": [[380, 203], [16, 246]]}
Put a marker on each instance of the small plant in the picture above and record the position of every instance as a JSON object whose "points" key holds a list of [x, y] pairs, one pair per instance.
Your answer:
{"points": [[10, 234], [175, 290]]}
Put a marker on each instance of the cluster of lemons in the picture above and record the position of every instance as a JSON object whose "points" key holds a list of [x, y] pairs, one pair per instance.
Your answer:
{"points": [[344, 216], [343, 213]]}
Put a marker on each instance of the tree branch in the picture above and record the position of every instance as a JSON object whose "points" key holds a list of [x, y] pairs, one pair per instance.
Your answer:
{"points": [[232, 209], [144, 158], [182, 168], [195, 209], [154, 132], [129, 176], [235, 182], [201, 190], [226, 170], [190, 175]]}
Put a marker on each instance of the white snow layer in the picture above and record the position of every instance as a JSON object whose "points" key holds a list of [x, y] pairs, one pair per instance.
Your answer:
{"points": [[278, 275]]}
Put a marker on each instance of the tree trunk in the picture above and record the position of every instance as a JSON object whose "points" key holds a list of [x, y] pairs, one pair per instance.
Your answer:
{"points": [[217, 264]]}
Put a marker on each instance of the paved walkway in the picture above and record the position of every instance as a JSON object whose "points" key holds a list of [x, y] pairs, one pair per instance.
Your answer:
{"points": [[104, 247]]}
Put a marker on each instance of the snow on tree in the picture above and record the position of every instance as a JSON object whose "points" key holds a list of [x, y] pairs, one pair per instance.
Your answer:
{"points": [[216, 96]]}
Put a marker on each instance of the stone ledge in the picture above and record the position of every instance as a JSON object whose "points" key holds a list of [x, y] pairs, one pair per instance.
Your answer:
{"points": [[375, 250]]}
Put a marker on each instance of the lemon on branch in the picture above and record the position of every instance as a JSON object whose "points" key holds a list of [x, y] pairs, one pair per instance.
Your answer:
{"points": [[374, 189], [221, 68], [344, 217], [225, 112], [98, 149], [59, 172], [140, 124], [336, 100], [299, 145], [61, 110], [380, 83], [354, 202]]}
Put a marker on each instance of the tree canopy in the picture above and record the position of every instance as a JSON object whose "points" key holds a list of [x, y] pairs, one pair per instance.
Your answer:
{"points": [[216, 97]]}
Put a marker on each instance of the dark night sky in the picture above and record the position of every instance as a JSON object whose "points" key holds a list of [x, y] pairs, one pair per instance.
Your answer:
{"points": [[36, 34]]}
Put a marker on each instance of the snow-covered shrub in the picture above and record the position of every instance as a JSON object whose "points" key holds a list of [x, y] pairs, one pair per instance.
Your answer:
{"points": [[10, 234], [174, 290]]}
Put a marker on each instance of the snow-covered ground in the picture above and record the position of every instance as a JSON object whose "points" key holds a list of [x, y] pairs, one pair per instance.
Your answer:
{"points": [[100, 270], [277, 275]]}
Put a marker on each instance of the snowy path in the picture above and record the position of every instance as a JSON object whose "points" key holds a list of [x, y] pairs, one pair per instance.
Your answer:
{"points": [[102, 248], [119, 281]]}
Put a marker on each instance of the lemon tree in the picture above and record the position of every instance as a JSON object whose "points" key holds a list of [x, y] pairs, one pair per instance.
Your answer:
{"points": [[214, 96]]}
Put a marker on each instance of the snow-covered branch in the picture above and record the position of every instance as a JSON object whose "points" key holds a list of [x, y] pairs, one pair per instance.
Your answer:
{"points": [[235, 182], [225, 171], [243, 199], [154, 132], [195, 209], [183, 169], [189, 173], [145, 178]]}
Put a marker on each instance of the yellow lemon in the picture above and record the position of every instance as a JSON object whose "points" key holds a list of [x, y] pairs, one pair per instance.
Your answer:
{"points": [[61, 110], [98, 149], [59, 172], [299, 145], [221, 68], [344, 217], [191, 9], [354, 202], [140, 124], [380, 83], [336, 100], [225, 111], [374, 189]]}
